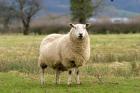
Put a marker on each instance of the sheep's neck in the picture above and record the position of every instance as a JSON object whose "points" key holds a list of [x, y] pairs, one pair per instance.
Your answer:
{"points": [[79, 46]]}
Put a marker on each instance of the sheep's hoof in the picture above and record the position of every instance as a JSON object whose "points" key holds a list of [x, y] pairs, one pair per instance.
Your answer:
{"points": [[57, 83], [42, 85], [69, 85], [79, 83]]}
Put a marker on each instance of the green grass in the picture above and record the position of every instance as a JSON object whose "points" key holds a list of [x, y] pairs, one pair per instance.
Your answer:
{"points": [[110, 48], [16, 83]]}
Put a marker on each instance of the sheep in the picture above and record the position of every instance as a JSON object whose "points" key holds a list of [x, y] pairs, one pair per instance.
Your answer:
{"points": [[64, 52]]}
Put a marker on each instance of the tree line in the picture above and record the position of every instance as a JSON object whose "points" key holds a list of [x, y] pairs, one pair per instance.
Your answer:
{"points": [[25, 10]]}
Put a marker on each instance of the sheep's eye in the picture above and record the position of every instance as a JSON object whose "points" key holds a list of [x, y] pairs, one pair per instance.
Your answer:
{"points": [[74, 27]]}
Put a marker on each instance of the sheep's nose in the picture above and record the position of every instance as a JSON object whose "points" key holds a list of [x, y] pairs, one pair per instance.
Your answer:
{"points": [[80, 35]]}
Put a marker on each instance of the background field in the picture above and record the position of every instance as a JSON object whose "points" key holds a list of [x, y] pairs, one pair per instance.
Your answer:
{"points": [[114, 65]]}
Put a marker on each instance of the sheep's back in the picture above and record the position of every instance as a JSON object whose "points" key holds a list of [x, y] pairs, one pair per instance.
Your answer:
{"points": [[50, 38]]}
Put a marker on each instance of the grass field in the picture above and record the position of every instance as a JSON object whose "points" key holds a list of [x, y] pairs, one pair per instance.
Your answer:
{"points": [[114, 58], [20, 53], [19, 83]]}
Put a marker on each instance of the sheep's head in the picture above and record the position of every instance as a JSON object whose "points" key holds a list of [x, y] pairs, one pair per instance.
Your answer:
{"points": [[78, 31]]}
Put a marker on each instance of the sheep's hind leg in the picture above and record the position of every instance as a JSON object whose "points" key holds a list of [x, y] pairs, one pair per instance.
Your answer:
{"points": [[42, 72], [77, 76], [57, 77], [69, 77]]}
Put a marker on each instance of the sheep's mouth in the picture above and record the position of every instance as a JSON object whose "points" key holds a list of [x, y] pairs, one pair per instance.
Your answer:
{"points": [[80, 37]]}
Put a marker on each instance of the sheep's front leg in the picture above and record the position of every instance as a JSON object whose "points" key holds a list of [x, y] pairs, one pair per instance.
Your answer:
{"points": [[42, 72], [42, 79], [69, 77], [57, 77], [77, 76]]}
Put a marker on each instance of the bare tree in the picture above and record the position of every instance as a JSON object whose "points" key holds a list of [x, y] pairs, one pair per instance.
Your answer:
{"points": [[7, 13], [27, 9], [98, 6]]}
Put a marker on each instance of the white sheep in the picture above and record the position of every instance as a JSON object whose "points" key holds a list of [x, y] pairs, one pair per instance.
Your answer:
{"points": [[64, 52]]}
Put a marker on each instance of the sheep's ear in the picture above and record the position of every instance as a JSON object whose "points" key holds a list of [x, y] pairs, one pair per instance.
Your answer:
{"points": [[72, 25], [87, 25]]}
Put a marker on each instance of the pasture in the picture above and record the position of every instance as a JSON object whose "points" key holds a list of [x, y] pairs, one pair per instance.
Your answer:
{"points": [[14, 82], [114, 66]]}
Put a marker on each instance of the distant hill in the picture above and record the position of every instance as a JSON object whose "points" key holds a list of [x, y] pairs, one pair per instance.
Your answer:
{"points": [[118, 8], [127, 5], [112, 11]]}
